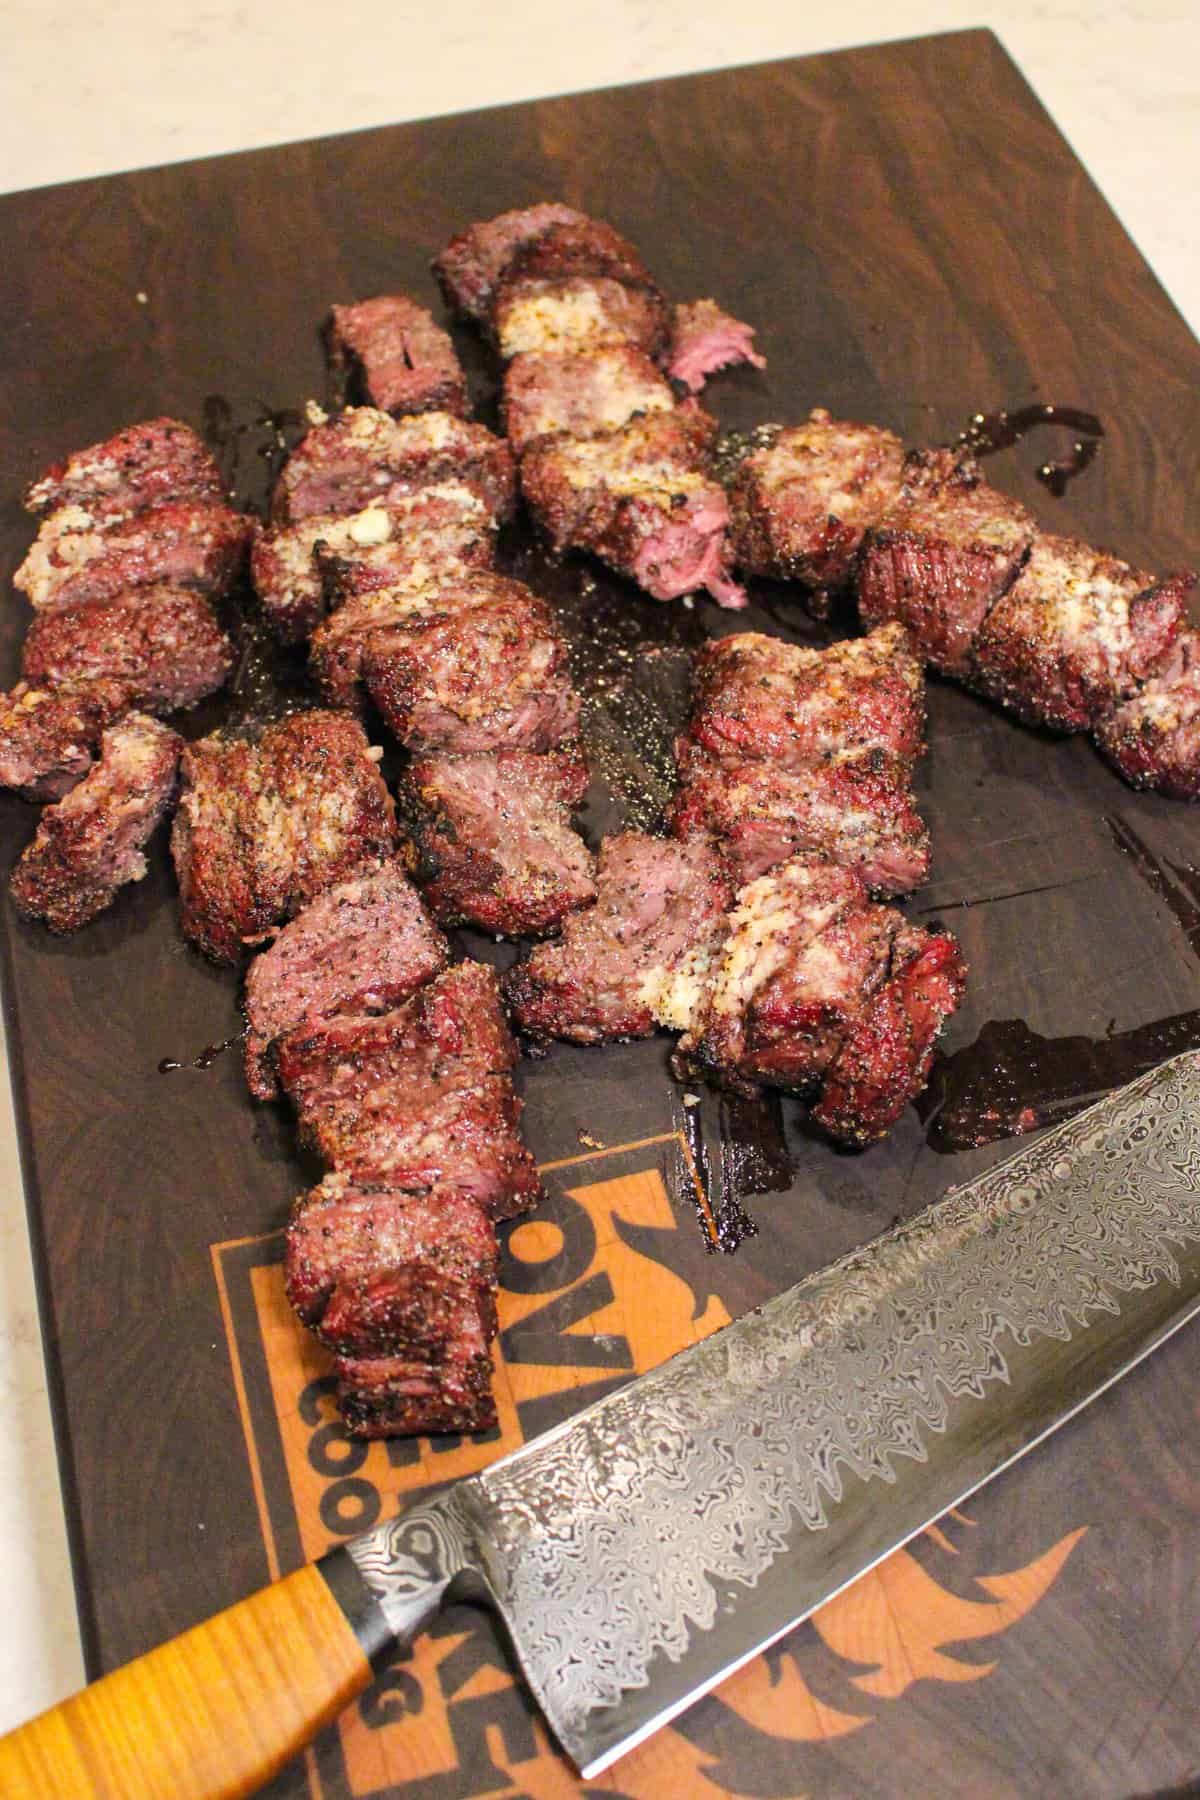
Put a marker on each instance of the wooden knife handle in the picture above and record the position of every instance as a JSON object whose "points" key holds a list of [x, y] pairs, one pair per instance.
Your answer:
{"points": [[216, 1712]]}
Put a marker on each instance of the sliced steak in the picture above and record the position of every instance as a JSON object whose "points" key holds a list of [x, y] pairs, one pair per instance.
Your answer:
{"points": [[162, 644], [943, 556], [404, 363], [855, 810], [759, 699], [705, 339], [263, 828], [78, 556], [885, 1057], [91, 843], [538, 313], [628, 963], [484, 668], [395, 1396], [48, 735], [360, 947], [804, 952], [581, 393], [473, 262], [364, 456], [339, 644], [642, 499], [143, 466], [1153, 739], [1075, 634], [498, 848], [800, 508]]}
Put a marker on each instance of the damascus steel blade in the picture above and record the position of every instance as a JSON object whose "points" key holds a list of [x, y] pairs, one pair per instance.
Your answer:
{"points": [[657, 1540]]}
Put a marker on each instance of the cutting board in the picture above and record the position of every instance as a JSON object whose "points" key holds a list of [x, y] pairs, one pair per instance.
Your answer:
{"points": [[914, 241]]}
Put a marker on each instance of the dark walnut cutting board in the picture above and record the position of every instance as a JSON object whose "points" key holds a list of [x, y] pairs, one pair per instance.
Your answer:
{"points": [[914, 241]]}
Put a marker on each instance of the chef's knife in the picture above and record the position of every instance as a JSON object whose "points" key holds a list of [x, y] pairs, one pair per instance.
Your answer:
{"points": [[651, 1544]]}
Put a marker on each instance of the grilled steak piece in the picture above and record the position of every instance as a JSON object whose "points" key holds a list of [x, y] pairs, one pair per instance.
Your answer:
{"points": [[343, 1239], [360, 947], [579, 392], [705, 339], [642, 499], [162, 644], [759, 699], [47, 736], [295, 568], [885, 1057], [365, 456], [498, 848], [472, 263], [402, 1288], [404, 362], [263, 828], [576, 312], [90, 844], [484, 668], [855, 810], [805, 949], [340, 642], [79, 556], [143, 466], [1075, 634], [799, 509], [628, 963], [1153, 739], [943, 556], [579, 246], [419, 1098]]}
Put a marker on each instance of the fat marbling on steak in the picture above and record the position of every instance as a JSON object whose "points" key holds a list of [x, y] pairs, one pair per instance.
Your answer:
{"points": [[498, 849], [91, 843], [163, 644], [624, 965], [403, 361], [263, 827], [360, 947]]}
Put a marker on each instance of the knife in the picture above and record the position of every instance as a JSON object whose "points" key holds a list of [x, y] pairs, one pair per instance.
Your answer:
{"points": [[657, 1540]]}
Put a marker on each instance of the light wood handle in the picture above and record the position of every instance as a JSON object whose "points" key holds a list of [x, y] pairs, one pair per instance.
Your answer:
{"points": [[211, 1715]]}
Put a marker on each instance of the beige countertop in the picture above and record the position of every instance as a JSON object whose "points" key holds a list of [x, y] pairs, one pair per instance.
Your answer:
{"points": [[98, 88]]}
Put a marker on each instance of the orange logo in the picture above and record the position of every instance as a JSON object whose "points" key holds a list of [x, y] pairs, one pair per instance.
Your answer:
{"points": [[588, 1298]]}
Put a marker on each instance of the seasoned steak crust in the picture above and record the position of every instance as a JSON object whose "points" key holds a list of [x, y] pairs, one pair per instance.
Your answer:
{"points": [[162, 644], [642, 498], [576, 312], [1075, 634], [364, 457], [624, 965], [1153, 738], [79, 556], [498, 849], [483, 668], [48, 735], [800, 508], [263, 828], [91, 843], [403, 361], [143, 466], [360, 947], [580, 392], [942, 556], [472, 263], [759, 699]]}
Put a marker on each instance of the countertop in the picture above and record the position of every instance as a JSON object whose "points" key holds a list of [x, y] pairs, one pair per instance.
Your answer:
{"points": [[100, 89]]}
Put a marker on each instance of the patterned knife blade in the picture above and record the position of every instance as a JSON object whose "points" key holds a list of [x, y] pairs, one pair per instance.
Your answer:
{"points": [[660, 1538]]}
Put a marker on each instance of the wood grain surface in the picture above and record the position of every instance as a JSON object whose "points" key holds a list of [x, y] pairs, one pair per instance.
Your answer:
{"points": [[914, 241]]}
